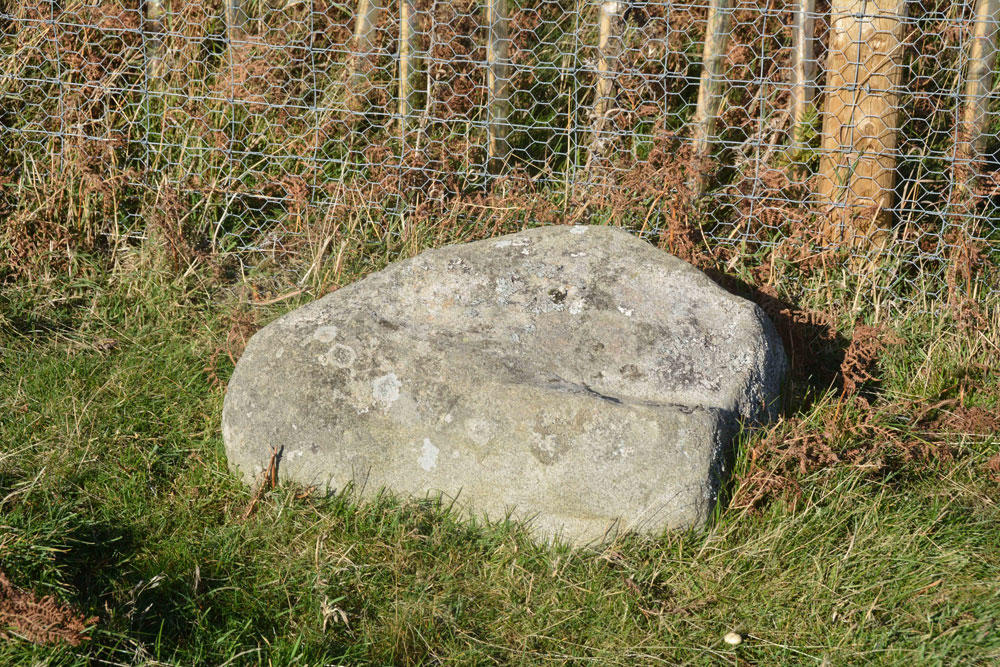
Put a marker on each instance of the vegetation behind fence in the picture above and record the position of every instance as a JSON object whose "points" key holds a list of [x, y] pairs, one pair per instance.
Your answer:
{"points": [[782, 136]]}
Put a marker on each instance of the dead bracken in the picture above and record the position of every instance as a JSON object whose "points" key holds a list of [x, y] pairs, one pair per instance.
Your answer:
{"points": [[867, 441], [858, 366], [39, 620]]}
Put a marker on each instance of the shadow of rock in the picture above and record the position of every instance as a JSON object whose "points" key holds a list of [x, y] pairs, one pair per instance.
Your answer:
{"points": [[814, 346]]}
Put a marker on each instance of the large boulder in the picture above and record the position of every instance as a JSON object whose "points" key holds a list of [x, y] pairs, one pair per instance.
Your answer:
{"points": [[574, 376]]}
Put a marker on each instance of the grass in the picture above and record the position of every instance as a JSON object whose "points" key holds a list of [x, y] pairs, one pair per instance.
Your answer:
{"points": [[115, 497]]}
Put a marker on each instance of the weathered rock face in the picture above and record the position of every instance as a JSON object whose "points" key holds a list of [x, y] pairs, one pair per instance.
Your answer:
{"points": [[576, 376]]}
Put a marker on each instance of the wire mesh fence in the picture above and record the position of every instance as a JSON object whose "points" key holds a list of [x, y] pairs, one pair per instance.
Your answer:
{"points": [[799, 133]]}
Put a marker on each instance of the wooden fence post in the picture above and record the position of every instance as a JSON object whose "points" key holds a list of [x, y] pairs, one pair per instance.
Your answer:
{"points": [[972, 142], [860, 120], [365, 44], [498, 83], [803, 68]]}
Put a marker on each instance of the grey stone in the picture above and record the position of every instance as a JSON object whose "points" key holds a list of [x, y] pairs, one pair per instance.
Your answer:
{"points": [[574, 376]]}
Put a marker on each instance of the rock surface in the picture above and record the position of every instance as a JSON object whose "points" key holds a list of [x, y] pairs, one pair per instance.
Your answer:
{"points": [[574, 376]]}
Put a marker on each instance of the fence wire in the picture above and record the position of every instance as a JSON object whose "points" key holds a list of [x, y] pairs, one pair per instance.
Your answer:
{"points": [[859, 131]]}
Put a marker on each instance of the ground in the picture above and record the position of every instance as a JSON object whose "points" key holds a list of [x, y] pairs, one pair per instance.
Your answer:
{"points": [[859, 529]]}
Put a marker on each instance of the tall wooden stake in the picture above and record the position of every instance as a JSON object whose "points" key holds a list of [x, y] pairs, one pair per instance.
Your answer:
{"points": [[236, 20], [365, 46], [609, 51], [409, 62], [860, 119], [154, 40], [979, 84], [710, 89], [803, 68], [710, 92], [498, 82]]}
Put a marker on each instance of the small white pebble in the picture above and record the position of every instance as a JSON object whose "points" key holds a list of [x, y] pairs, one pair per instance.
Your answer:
{"points": [[733, 638]]}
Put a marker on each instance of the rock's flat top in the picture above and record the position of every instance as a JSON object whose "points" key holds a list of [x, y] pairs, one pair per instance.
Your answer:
{"points": [[576, 375]]}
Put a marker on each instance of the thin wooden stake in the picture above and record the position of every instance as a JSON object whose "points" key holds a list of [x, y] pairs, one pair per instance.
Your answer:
{"points": [[236, 20], [610, 29], [154, 40], [365, 47], [431, 87], [803, 68], [860, 119], [498, 81], [409, 62], [972, 141], [710, 92]]}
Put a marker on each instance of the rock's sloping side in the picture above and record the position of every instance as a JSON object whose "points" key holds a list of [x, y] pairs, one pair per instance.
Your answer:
{"points": [[577, 376]]}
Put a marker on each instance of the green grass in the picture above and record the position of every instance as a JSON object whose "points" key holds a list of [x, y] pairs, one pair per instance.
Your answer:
{"points": [[115, 497]]}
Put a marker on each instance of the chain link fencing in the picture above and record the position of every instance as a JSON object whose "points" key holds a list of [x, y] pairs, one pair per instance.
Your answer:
{"points": [[779, 138]]}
